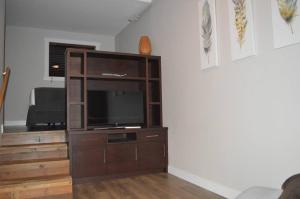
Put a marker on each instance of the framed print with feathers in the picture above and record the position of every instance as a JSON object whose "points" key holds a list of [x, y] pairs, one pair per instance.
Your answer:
{"points": [[286, 22], [241, 29], [208, 34]]}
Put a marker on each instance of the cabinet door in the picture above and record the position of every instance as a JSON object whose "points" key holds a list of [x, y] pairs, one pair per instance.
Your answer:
{"points": [[88, 155], [88, 161], [121, 158], [152, 155]]}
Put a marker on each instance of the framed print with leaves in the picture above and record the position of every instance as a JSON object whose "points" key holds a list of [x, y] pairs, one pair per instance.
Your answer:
{"points": [[286, 22], [208, 34], [241, 29]]}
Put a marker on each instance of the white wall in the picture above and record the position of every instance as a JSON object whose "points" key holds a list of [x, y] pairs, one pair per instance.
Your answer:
{"points": [[25, 54], [2, 41], [236, 125], [2, 31]]}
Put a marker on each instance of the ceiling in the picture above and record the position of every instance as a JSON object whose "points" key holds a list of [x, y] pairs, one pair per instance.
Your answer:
{"points": [[106, 17]]}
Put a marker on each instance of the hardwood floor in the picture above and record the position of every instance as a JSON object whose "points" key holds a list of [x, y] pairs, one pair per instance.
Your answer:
{"points": [[152, 186]]}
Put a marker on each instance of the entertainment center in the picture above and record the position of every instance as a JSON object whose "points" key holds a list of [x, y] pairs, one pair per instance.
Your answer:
{"points": [[114, 114]]}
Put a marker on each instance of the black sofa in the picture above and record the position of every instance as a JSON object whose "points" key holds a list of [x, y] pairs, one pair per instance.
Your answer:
{"points": [[49, 107]]}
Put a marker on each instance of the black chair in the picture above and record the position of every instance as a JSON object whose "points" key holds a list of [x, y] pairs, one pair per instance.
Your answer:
{"points": [[49, 107]]}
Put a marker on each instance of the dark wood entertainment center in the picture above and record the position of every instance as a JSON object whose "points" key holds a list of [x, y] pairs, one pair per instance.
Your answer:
{"points": [[114, 152]]}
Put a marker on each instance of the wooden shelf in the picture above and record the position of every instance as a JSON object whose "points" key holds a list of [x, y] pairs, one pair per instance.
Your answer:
{"points": [[77, 129], [154, 79], [154, 68], [76, 103], [76, 76], [154, 103], [116, 78], [85, 71]]}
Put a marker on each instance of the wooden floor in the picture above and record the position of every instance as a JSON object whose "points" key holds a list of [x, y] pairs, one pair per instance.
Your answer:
{"points": [[153, 186]]}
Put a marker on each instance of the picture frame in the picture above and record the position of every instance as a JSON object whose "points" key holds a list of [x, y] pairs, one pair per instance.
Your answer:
{"points": [[208, 34], [241, 27]]}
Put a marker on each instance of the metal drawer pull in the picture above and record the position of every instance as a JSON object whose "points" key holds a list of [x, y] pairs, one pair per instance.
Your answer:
{"points": [[136, 153], [164, 150], [152, 136], [104, 156]]}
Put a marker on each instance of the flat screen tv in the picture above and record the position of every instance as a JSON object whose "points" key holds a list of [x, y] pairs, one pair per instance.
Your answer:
{"points": [[115, 108]]}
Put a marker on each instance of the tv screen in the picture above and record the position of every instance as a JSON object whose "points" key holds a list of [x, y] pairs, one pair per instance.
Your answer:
{"points": [[115, 108]]}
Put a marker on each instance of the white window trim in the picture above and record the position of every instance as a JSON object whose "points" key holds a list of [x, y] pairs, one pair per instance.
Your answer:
{"points": [[66, 41]]}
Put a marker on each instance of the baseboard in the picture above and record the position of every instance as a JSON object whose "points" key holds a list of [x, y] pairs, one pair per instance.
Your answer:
{"points": [[206, 184], [15, 123]]}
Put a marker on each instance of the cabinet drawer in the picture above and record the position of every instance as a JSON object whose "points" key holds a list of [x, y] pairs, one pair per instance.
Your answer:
{"points": [[152, 136], [88, 140]]}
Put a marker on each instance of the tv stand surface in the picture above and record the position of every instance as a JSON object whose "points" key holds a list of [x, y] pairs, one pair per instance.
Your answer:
{"points": [[111, 127], [115, 127], [109, 153]]}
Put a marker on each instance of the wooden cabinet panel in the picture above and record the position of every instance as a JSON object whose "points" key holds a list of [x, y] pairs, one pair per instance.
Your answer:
{"points": [[121, 158], [88, 155], [121, 167], [92, 155], [121, 152], [88, 140], [152, 155], [88, 161]]}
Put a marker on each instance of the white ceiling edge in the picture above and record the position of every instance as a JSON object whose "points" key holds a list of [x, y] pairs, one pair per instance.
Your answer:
{"points": [[137, 16], [111, 21]]}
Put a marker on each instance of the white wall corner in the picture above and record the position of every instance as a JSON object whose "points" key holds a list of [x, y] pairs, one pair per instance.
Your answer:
{"points": [[206, 184]]}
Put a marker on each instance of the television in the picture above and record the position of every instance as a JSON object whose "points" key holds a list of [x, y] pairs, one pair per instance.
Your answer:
{"points": [[107, 108]]}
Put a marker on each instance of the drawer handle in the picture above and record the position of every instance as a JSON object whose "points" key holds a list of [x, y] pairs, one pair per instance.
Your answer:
{"points": [[136, 153], [152, 136], [104, 156]]}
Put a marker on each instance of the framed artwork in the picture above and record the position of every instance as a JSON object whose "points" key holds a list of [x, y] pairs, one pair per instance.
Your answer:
{"points": [[286, 22], [208, 34], [241, 29]]}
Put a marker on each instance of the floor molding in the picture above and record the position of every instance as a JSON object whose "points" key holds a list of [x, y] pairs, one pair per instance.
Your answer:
{"points": [[206, 184], [15, 123]]}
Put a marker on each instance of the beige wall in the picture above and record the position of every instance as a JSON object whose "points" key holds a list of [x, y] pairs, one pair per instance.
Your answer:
{"points": [[2, 39], [25, 53], [236, 125]]}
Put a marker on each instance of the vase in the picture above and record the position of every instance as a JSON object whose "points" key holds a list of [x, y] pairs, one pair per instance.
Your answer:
{"points": [[145, 46]]}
